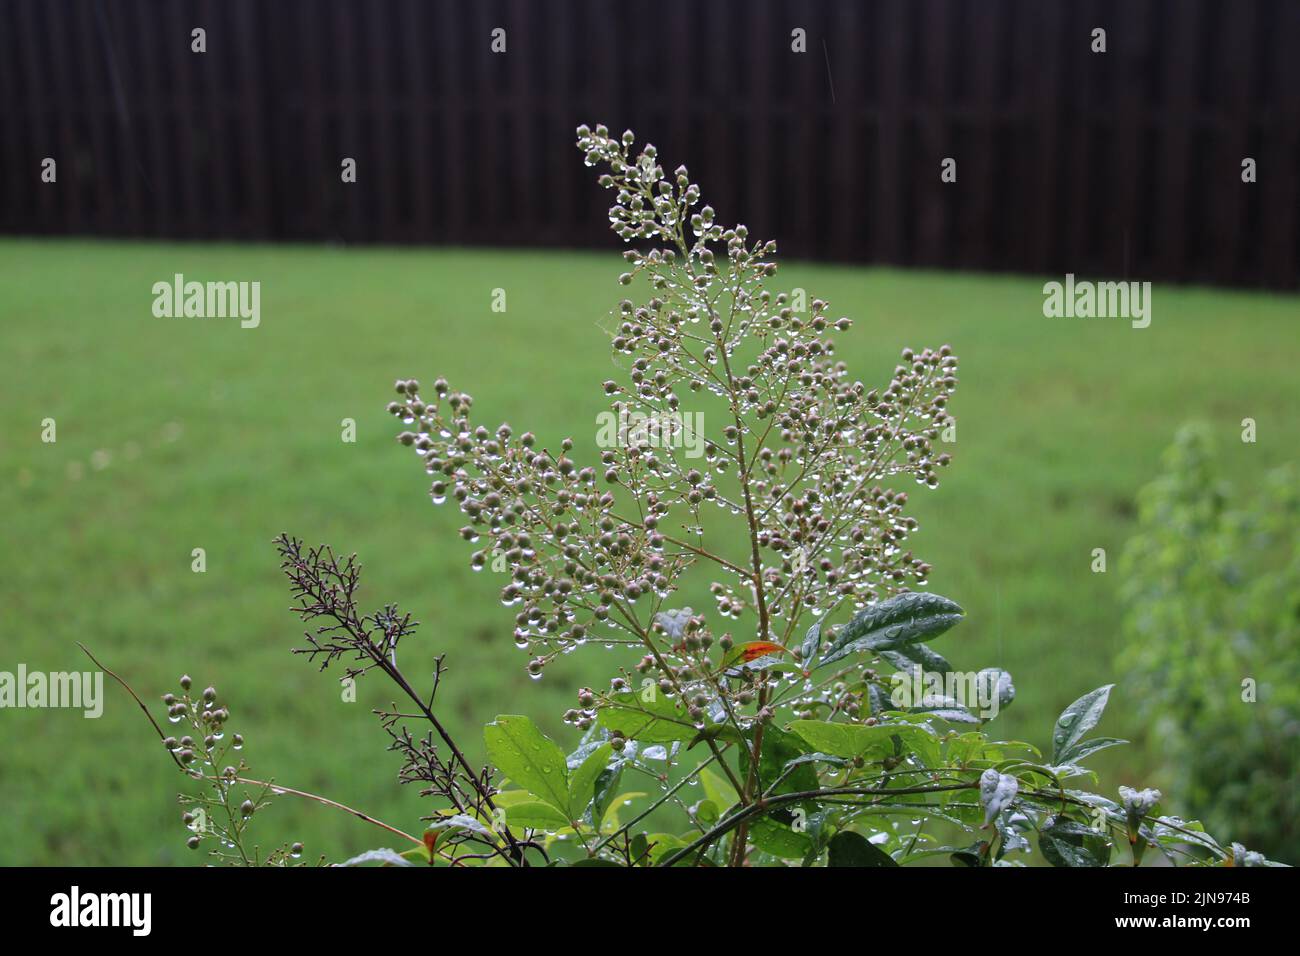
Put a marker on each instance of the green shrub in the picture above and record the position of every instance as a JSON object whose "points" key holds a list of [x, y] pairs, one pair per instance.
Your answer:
{"points": [[1212, 585]]}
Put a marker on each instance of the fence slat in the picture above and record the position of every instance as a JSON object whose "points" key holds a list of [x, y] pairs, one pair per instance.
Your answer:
{"points": [[1121, 164]]}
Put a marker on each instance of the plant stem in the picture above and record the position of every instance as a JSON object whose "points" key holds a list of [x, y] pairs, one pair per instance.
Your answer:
{"points": [[248, 780], [326, 801], [654, 806], [745, 814]]}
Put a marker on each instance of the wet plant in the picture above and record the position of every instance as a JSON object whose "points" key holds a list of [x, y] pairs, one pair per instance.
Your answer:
{"points": [[1210, 581], [768, 729]]}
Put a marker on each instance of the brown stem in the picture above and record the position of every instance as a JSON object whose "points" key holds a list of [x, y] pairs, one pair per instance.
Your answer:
{"points": [[742, 834], [326, 801]]}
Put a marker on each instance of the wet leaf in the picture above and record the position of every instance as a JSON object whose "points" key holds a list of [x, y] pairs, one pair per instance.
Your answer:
{"points": [[536, 815], [582, 781], [854, 740], [779, 748], [1067, 843], [777, 837], [893, 624], [812, 643], [853, 849], [529, 758], [916, 655], [1086, 748], [660, 719], [1076, 720], [384, 855]]}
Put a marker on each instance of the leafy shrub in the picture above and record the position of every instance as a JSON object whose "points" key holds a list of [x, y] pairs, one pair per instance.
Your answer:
{"points": [[783, 739], [1212, 584]]}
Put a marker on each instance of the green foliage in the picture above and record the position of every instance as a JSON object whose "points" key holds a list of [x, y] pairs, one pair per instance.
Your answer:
{"points": [[530, 759], [848, 848], [1212, 586], [649, 718], [860, 741], [893, 626], [1067, 843], [1077, 719]]}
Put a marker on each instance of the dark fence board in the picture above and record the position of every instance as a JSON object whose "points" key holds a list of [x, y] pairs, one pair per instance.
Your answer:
{"points": [[1122, 164]]}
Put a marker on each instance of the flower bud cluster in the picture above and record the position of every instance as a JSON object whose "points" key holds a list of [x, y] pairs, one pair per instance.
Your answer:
{"points": [[806, 457]]}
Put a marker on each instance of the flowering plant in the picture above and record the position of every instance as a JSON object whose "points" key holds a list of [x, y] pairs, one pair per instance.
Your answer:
{"points": [[776, 711]]}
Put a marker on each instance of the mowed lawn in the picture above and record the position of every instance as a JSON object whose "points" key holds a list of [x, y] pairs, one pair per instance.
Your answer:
{"points": [[176, 434]]}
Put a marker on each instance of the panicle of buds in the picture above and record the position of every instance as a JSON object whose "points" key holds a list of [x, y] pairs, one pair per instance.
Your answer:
{"points": [[805, 456], [218, 815]]}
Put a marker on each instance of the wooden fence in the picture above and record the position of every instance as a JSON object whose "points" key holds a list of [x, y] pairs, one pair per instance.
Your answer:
{"points": [[1125, 163]]}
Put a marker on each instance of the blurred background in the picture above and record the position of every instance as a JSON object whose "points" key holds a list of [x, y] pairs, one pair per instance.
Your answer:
{"points": [[821, 124]]}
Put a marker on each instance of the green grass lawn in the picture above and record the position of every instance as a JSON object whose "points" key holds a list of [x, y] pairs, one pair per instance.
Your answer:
{"points": [[175, 434]]}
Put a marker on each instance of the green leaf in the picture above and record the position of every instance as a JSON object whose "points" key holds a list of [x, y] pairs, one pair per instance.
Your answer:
{"points": [[1068, 843], [817, 757], [967, 748], [725, 732], [461, 821], [844, 740], [661, 844], [384, 855], [1086, 748], [780, 747], [1076, 720], [893, 624], [582, 782], [536, 815], [812, 643], [529, 758], [417, 854], [974, 855], [944, 708], [1173, 831], [706, 812], [878, 699], [853, 849], [638, 848], [605, 788], [717, 788], [659, 720], [905, 658], [609, 819], [508, 798], [777, 838], [859, 740]]}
